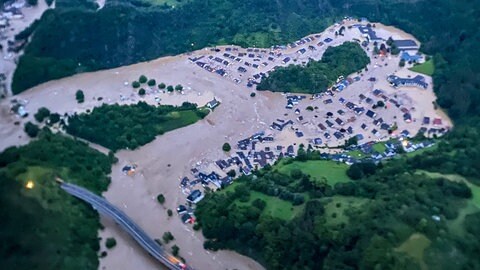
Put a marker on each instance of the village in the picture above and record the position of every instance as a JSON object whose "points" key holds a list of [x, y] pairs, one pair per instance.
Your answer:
{"points": [[366, 107]]}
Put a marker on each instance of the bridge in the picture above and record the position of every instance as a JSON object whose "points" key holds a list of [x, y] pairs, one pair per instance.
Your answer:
{"points": [[107, 209]]}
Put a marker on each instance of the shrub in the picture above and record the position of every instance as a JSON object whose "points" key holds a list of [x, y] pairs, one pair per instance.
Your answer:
{"points": [[226, 147], [309, 108], [169, 212], [161, 86], [253, 94], [142, 79], [110, 243]]}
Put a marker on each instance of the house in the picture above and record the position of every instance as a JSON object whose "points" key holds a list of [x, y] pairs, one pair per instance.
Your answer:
{"points": [[302, 51], [212, 104], [407, 117], [426, 120], [370, 114], [286, 60], [378, 121], [437, 121], [406, 44], [359, 110], [329, 124], [377, 92], [418, 81], [350, 130], [195, 196], [368, 32], [364, 127], [317, 141], [338, 135], [184, 182], [385, 126], [322, 127], [339, 121], [405, 56]]}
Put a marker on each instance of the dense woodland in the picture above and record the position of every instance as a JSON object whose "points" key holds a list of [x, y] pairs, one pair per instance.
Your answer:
{"points": [[316, 76], [44, 227], [130, 126]]}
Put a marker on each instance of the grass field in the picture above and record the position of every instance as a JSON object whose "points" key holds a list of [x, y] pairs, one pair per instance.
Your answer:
{"points": [[379, 147], [333, 172], [335, 209], [415, 246], [473, 205], [275, 207], [427, 68]]}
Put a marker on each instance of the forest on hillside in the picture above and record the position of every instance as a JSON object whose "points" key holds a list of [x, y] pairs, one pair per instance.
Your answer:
{"points": [[317, 76], [126, 32], [43, 227]]}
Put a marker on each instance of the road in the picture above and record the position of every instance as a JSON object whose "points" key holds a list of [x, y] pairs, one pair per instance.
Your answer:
{"points": [[104, 207]]}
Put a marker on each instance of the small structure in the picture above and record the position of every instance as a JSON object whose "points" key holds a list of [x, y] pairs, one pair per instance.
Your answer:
{"points": [[212, 104], [418, 81], [368, 32], [405, 56], [406, 44]]}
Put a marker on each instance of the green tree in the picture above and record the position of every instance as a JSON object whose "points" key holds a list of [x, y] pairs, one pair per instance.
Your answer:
{"points": [[167, 237], [175, 250], [80, 96], [169, 212], [401, 63], [141, 92], [41, 114], [32, 2], [226, 147], [142, 79], [161, 86], [178, 87], [170, 88], [253, 94], [110, 242], [151, 82], [161, 198], [54, 118], [355, 171], [231, 173], [31, 129], [135, 84]]}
